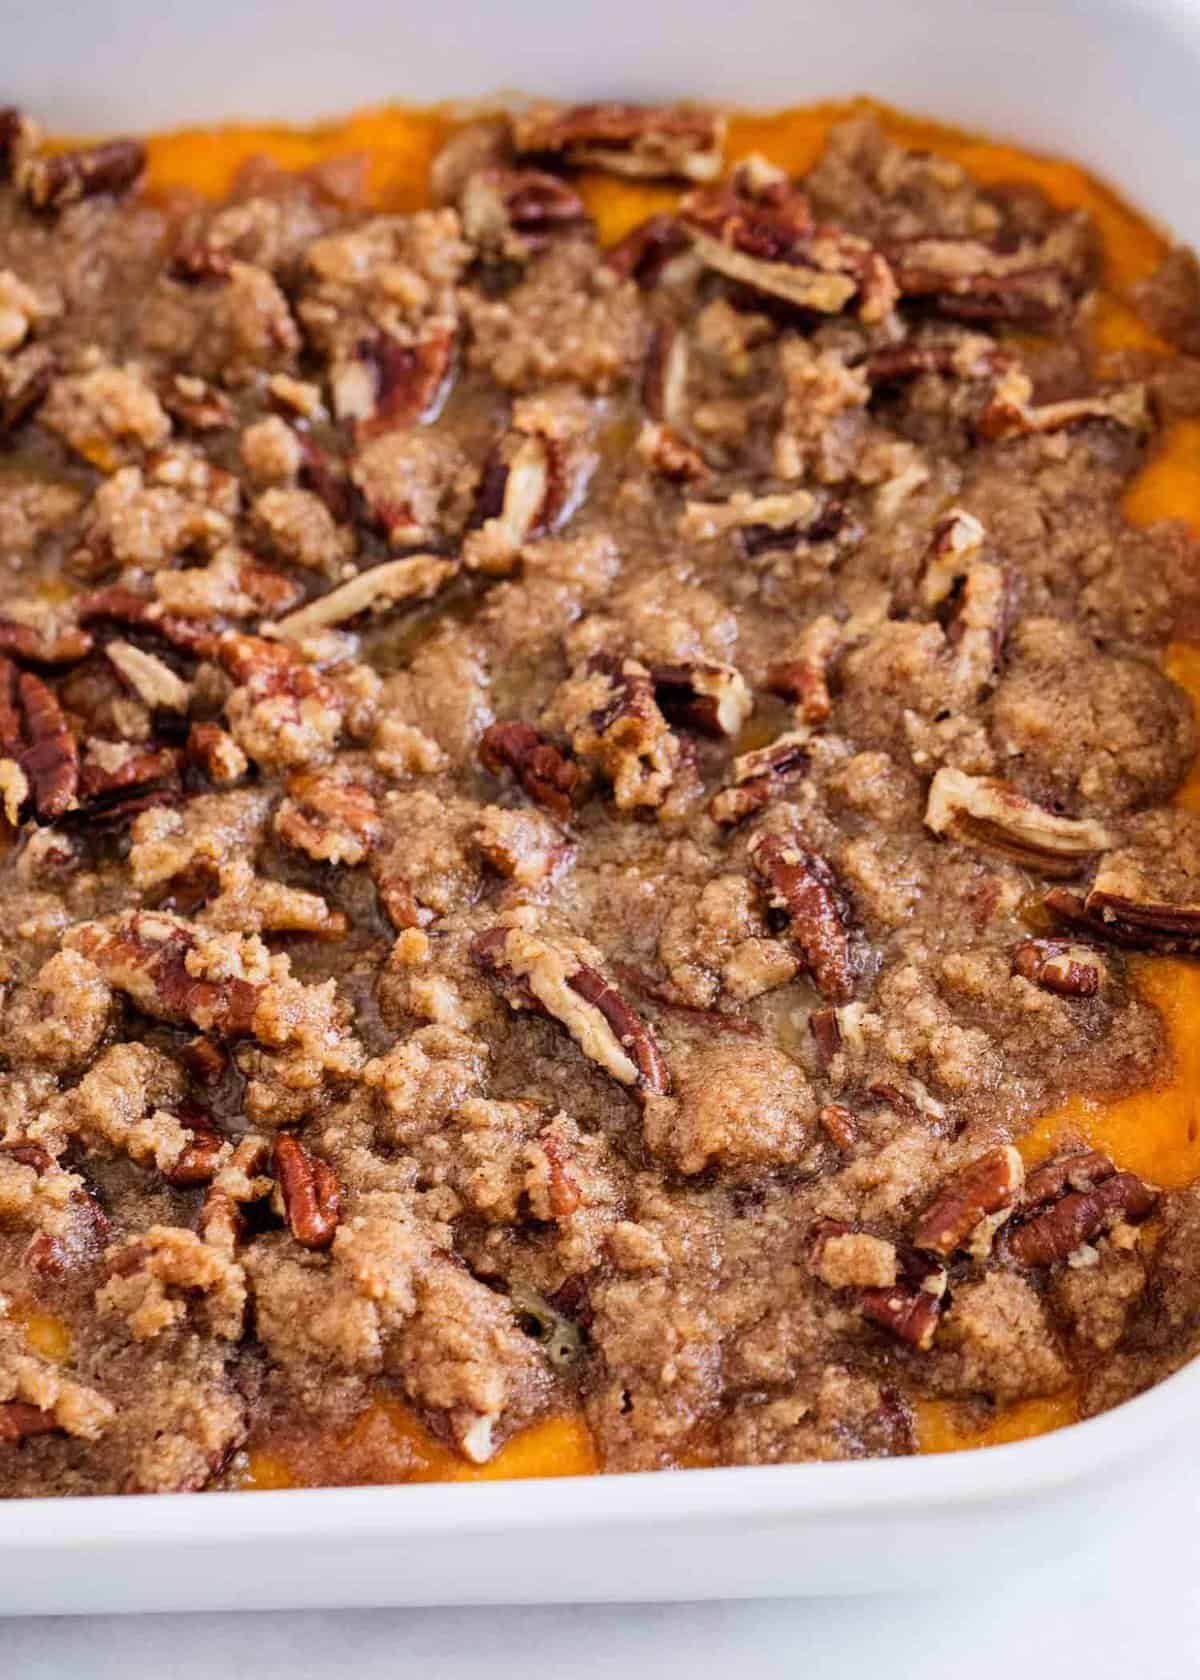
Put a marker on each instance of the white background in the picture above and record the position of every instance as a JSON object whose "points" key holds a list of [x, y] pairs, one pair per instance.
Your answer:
{"points": [[1125, 1603]]}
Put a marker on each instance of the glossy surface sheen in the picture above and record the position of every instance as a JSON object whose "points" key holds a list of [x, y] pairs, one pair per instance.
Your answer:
{"points": [[1155, 1132]]}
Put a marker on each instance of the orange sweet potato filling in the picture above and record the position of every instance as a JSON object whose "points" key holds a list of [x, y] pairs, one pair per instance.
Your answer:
{"points": [[1155, 1132]]}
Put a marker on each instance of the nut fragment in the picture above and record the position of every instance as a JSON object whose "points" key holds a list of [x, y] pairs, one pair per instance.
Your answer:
{"points": [[1033, 285], [146, 954], [911, 1308], [712, 699], [760, 776], [52, 180], [803, 675], [514, 213], [309, 1191], [644, 141], [330, 816], [150, 678], [1056, 966], [803, 894], [385, 385], [758, 231], [551, 980], [545, 773], [625, 732], [1009, 412], [982, 811], [987, 1185], [646, 250], [19, 1421], [375, 591]]}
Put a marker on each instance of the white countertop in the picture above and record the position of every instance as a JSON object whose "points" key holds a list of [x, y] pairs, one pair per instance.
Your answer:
{"points": [[1126, 1603]]}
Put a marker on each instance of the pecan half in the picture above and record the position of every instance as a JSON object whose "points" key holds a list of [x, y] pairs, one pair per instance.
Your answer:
{"points": [[758, 231], [911, 1308], [803, 895], [544, 772], [52, 180], [982, 811], [36, 742], [987, 1186], [712, 699], [19, 1421], [375, 591], [647, 142], [1056, 1228], [1056, 966], [517, 212], [760, 776], [309, 1191], [1082, 1170], [550, 979]]}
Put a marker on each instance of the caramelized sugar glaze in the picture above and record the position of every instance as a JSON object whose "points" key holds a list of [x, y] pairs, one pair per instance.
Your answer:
{"points": [[1153, 1132]]}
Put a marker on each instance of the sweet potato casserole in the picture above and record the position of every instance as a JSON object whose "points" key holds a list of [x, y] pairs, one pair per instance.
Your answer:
{"points": [[599, 857]]}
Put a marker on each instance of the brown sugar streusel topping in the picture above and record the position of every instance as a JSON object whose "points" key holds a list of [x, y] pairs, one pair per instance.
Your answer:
{"points": [[568, 806]]}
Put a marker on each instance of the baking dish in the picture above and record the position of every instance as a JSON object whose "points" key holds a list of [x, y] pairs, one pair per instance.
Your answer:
{"points": [[695, 1533]]}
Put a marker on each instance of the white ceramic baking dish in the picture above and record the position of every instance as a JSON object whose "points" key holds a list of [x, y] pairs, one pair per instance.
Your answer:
{"points": [[1111, 83]]}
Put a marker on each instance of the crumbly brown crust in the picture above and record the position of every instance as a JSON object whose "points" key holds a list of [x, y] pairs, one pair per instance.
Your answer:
{"points": [[526, 791]]}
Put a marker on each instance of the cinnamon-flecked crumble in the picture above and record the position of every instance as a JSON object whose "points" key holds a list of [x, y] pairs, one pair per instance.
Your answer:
{"points": [[569, 804]]}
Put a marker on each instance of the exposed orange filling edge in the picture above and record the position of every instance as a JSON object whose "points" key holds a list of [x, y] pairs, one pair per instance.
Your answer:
{"points": [[1155, 1132]]}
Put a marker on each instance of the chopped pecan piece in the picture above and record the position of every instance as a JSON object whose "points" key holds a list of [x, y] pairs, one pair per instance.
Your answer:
{"points": [[309, 1191], [1009, 412], [1065, 1217], [52, 180], [759, 232], [217, 754], [241, 1181], [838, 1123], [911, 1308], [374, 591], [196, 404], [625, 732], [971, 356], [550, 979], [150, 678], [803, 895], [826, 1029], [112, 769], [1032, 286], [665, 452], [25, 380], [19, 1421], [201, 1156], [957, 540], [531, 485], [759, 777], [36, 633], [36, 742], [517, 212], [544, 771], [646, 250], [1056, 966], [762, 522], [386, 384], [987, 1186], [712, 699], [331, 817], [982, 811], [803, 677], [121, 605], [146, 955], [644, 141], [1142, 927]]}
